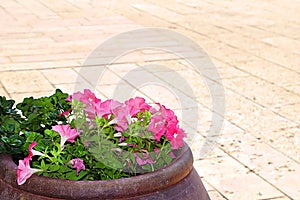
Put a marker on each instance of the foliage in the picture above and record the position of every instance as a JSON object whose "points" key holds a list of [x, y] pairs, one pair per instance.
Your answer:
{"points": [[31, 115], [81, 137]]}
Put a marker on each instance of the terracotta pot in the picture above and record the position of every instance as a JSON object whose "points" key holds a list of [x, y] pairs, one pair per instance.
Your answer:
{"points": [[179, 180]]}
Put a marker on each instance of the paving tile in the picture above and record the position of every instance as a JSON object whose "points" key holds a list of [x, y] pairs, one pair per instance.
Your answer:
{"points": [[10, 6], [24, 43], [99, 75], [4, 59], [229, 72], [232, 179], [25, 81], [118, 92], [52, 57], [15, 51], [273, 73], [201, 119], [284, 43], [161, 94], [166, 65], [261, 118], [156, 10], [286, 141], [71, 88], [215, 195], [285, 59], [78, 35], [27, 40], [207, 186], [121, 69], [139, 57], [38, 8], [38, 65], [8, 18], [61, 76], [3, 93], [189, 82], [289, 111], [59, 22], [295, 88], [17, 35], [277, 198], [262, 92], [270, 164], [13, 27], [60, 6], [203, 148]]}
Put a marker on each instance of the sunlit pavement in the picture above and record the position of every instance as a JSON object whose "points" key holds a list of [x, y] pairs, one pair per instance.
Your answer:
{"points": [[255, 45]]}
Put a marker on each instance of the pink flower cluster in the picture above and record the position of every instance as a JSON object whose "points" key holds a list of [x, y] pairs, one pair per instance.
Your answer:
{"points": [[122, 112], [24, 170], [163, 121], [67, 134], [77, 164]]}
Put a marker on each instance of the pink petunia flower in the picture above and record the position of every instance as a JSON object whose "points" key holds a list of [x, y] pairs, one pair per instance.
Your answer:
{"points": [[136, 105], [92, 110], [122, 139], [143, 161], [75, 96], [157, 126], [69, 98], [66, 133], [106, 108], [78, 164], [176, 137], [65, 113], [92, 103], [164, 122], [122, 117], [33, 152], [88, 97], [24, 171]]}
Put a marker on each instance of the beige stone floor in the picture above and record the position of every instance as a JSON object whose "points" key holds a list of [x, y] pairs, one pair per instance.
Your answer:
{"points": [[255, 45]]}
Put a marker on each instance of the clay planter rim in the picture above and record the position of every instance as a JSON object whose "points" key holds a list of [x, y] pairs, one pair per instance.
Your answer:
{"points": [[102, 189]]}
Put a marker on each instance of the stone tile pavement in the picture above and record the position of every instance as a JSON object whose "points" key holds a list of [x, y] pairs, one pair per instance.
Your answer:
{"points": [[255, 45]]}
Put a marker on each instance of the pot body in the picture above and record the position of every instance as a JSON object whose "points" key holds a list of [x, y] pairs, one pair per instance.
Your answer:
{"points": [[177, 181]]}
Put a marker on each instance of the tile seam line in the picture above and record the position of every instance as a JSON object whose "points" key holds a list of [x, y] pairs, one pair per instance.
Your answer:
{"points": [[45, 5], [254, 171], [256, 103], [37, 69], [5, 90], [265, 10], [217, 190], [189, 29], [253, 75], [241, 33]]}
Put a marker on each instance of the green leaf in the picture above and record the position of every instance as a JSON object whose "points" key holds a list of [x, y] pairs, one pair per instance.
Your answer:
{"points": [[43, 166], [53, 168], [72, 175], [99, 165], [50, 133]]}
